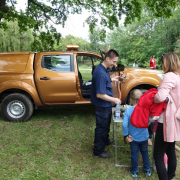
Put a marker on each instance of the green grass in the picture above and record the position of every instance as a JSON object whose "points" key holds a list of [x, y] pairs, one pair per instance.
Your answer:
{"points": [[86, 74], [57, 144]]}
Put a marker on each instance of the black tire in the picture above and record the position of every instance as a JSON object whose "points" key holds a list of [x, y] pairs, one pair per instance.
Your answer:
{"points": [[144, 90], [16, 108], [128, 99]]}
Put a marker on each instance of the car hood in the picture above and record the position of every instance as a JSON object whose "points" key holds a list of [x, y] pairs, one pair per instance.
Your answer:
{"points": [[142, 70]]}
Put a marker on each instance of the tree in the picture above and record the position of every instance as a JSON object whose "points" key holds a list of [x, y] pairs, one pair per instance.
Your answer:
{"points": [[69, 39], [46, 40], [95, 41], [177, 48], [38, 13], [12, 40], [145, 38]]}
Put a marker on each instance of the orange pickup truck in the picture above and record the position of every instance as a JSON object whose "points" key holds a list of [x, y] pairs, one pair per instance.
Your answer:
{"points": [[30, 80]]}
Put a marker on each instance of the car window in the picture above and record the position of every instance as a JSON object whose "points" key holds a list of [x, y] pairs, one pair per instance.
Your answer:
{"points": [[58, 63], [85, 66]]}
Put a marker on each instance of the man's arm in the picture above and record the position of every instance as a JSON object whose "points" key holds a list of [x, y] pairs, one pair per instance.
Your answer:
{"points": [[119, 78], [115, 79], [105, 97]]}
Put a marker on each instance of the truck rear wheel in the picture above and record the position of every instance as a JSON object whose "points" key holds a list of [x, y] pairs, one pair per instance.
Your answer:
{"points": [[16, 108]]}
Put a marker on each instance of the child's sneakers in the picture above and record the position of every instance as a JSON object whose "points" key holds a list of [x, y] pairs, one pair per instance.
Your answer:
{"points": [[133, 174], [148, 173]]}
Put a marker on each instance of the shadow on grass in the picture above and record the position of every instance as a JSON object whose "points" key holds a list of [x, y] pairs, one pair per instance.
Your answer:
{"points": [[64, 112]]}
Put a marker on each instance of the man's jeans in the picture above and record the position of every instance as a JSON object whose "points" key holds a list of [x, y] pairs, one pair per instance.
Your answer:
{"points": [[143, 148], [103, 120]]}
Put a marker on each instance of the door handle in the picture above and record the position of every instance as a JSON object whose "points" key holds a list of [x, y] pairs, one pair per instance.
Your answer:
{"points": [[45, 78]]}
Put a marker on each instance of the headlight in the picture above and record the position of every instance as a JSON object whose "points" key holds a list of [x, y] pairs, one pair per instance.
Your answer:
{"points": [[160, 76]]}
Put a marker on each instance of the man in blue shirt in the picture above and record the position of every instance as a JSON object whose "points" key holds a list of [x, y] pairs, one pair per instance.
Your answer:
{"points": [[102, 98]]}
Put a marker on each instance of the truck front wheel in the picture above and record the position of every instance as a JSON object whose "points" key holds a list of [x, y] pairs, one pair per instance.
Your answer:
{"points": [[16, 108]]}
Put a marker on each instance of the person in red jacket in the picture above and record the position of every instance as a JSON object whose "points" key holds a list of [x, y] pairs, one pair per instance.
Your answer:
{"points": [[152, 63]]}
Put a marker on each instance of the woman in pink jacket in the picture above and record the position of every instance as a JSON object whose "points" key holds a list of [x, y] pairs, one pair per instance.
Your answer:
{"points": [[168, 130]]}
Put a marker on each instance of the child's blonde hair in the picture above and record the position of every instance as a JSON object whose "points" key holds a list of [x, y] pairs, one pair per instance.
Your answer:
{"points": [[135, 95]]}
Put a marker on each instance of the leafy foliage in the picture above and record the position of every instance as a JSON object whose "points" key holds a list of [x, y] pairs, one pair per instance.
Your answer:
{"points": [[149, 37], [177, 48], [69, 39], [38, 13], [12, 40], [46, 41], [95, 41]]}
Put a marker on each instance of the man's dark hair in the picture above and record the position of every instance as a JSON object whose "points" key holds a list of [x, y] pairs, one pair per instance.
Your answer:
{"points": [[111, 54]]}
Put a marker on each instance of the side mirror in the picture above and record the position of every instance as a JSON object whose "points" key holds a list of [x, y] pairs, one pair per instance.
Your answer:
{"points": [[120, 67]]}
